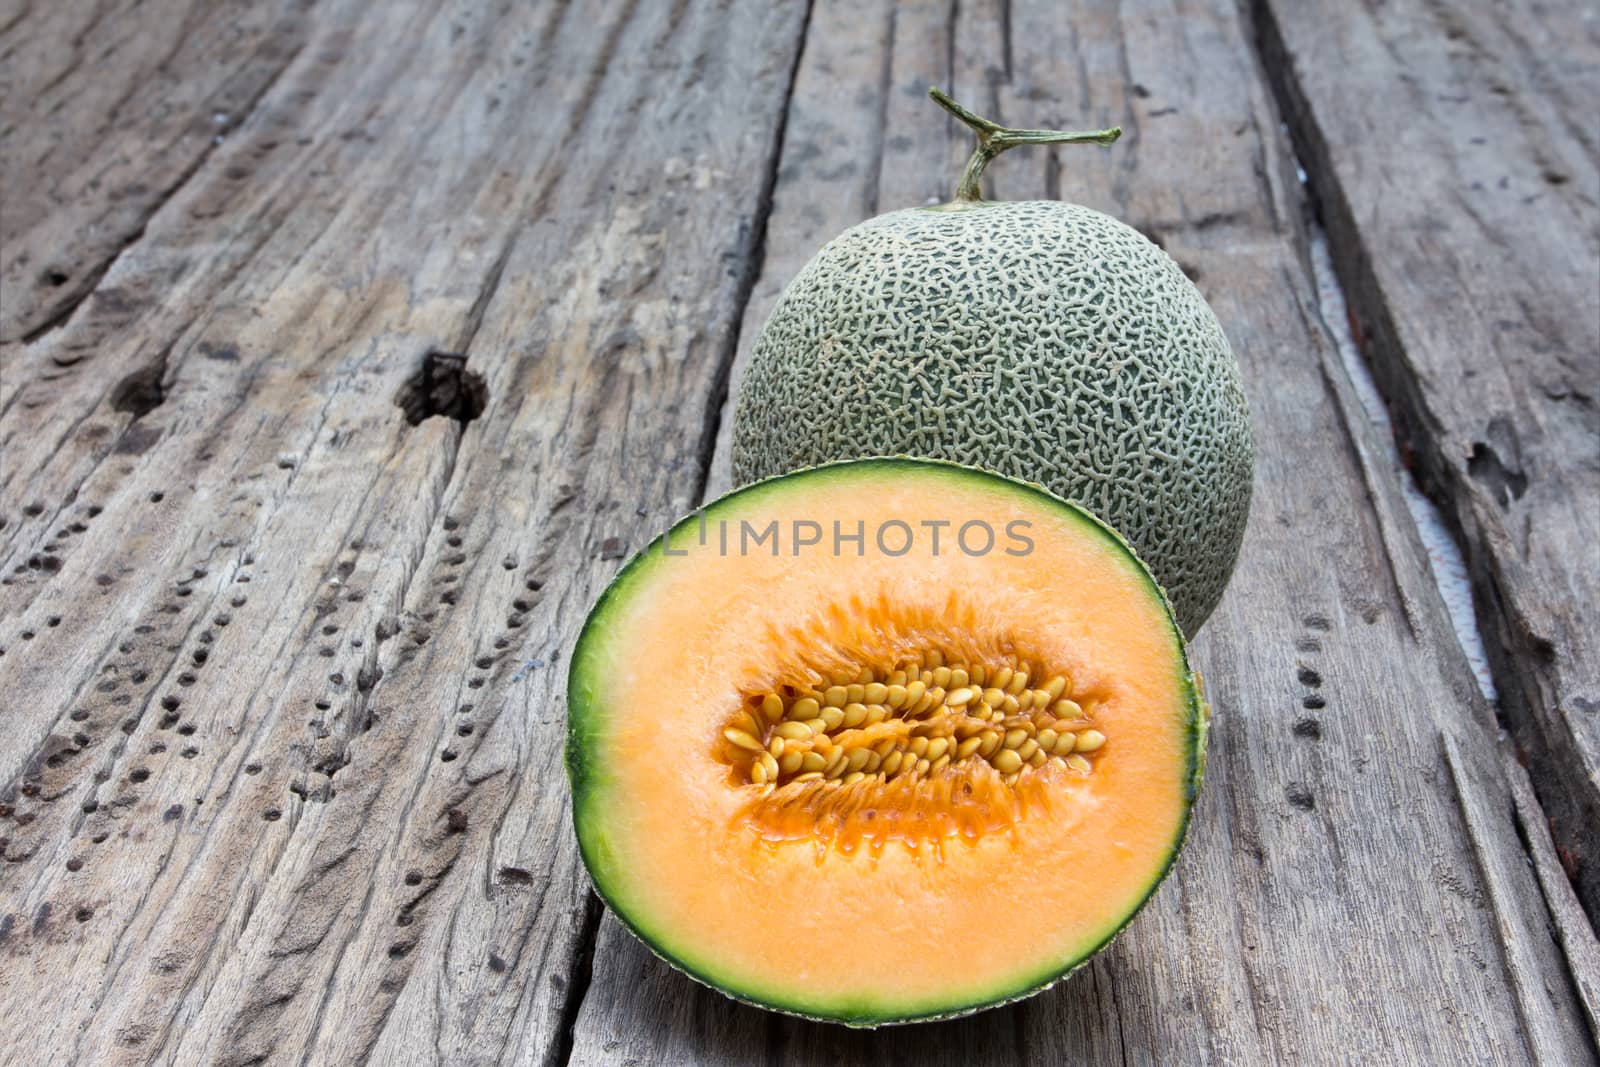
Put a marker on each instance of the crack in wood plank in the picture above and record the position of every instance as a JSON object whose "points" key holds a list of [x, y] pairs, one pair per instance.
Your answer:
{"points": [[1472, 332]]}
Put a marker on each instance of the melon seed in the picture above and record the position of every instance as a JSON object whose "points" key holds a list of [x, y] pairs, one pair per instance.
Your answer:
{"points": [[742, 739], [1067, 709], [945, 714]]}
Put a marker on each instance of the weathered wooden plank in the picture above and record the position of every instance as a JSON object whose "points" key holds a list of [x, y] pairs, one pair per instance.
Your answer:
{"points": [[1454, 154], [106, 109], [281, 773], [1354, 880], [1577, 936]]}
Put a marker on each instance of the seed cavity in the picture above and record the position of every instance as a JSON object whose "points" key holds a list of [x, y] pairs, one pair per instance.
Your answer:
{"points": [[931, 739]]}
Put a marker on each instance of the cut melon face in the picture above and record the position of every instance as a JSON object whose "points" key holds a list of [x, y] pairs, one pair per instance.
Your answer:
{"points": [[874, 780]]}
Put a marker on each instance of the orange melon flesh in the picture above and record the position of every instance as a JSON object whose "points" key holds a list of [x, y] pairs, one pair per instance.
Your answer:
{"points": [[874, 902]]}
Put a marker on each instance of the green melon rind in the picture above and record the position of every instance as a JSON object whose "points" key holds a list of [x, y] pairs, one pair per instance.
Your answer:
{"points": [[587, 783]]}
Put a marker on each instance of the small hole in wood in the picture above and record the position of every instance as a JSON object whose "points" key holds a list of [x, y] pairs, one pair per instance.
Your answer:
{"points": [[443, 386]]}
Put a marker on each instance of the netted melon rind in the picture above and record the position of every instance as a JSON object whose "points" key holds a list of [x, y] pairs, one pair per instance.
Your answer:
{"points": [[1041, 340]]}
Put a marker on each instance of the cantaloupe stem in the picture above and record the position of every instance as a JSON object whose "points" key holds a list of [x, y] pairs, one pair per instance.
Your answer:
{"points": [[994, 138]]}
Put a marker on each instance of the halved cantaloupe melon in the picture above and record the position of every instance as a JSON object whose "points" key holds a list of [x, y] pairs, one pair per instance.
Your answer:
{"points": [[882, 741]]}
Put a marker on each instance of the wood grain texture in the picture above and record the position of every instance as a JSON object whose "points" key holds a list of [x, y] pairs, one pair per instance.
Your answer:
{"points": [[106, 109], [1454, 153], [283, 673], [1354, 879], [1577, 936]]}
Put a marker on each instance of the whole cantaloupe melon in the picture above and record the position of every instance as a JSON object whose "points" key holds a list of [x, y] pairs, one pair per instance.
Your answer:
{"points": [[1038, 339]]}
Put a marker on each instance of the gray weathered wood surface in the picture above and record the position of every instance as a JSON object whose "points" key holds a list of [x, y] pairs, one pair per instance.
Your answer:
{"points": [[282, 673], [1454, 151]]}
